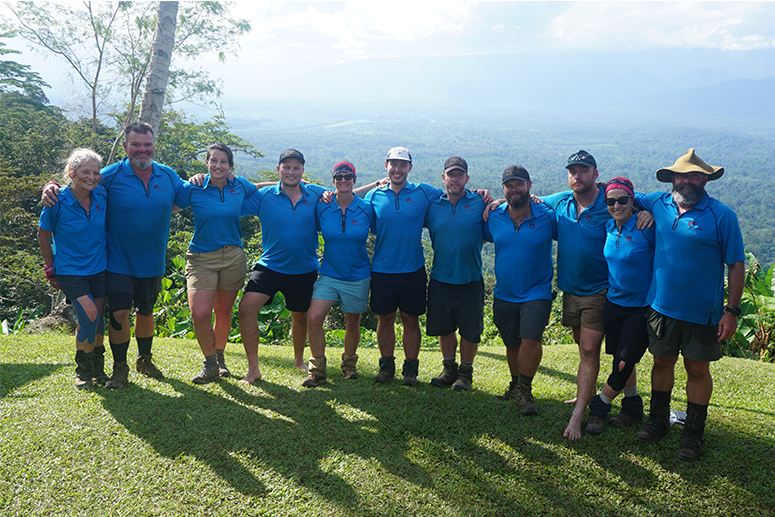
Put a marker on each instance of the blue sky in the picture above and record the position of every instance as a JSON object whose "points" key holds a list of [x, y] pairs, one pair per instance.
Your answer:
{"points": [[290, 37]]}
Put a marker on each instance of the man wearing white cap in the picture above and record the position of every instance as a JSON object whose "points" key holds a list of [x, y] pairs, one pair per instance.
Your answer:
{"points": [[696, 236]]}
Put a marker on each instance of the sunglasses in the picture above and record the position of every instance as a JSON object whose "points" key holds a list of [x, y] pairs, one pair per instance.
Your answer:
{"points": [[611, 201], [343, 177]]}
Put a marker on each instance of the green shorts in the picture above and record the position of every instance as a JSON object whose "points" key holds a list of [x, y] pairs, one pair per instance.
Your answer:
{"points": [[668, 337]]}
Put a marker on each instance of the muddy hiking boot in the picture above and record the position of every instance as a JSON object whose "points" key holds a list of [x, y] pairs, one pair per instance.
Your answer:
{"points": [[464, 379], [409, 371], [658, 424], [525, 401], [387, 370], [598, 412], [631, 413], [84, 368], [316, 373], [209, 372], [145, 366], [447, 376], [99, 376], [349, 371], [511, 393], [690, 448], [223, 370], [120, 376]]}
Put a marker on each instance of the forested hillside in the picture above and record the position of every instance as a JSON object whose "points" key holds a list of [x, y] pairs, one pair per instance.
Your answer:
{"points": [[628, 143]]}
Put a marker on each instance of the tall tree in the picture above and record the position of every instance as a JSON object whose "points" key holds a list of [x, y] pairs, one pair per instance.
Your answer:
{"points": [[17, 77], [161, 56]]}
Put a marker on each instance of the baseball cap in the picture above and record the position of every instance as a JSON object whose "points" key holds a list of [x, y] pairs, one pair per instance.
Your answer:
{"points": [[582, 158], [399, 153], [455, 162], [515, 172], [291, 153]]}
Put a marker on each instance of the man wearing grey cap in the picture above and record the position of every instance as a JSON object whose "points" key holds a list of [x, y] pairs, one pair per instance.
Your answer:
{"points": [[696, 236], [456, 289], [522, 301]]}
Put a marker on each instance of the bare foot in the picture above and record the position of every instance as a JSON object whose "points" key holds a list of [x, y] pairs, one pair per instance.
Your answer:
{"points": [[251, 377], [573, 431], [301, 366], [571, 401]]}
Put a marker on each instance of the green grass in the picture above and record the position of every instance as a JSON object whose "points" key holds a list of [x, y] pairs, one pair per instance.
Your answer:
{"points": [[354, 448]]}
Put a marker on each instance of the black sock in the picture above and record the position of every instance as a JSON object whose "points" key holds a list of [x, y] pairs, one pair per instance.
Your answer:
{"points": [[119, 351], [144, 345]]}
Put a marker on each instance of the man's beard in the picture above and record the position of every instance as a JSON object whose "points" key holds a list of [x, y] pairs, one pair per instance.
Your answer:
{"points": [[688, 196], [518, 201], [141, 164]]}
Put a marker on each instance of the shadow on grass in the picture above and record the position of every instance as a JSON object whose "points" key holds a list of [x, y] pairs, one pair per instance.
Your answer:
{"points": [[13, 376]]}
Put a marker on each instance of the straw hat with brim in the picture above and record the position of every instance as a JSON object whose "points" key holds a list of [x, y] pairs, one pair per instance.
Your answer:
{"points": [[689, 162]]}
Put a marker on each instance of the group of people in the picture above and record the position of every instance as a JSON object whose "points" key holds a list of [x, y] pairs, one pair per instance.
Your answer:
{"points": [[643, 270]]}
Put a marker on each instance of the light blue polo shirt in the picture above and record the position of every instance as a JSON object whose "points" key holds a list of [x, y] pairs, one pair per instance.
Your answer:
{"points": [[344, 237], [457, 236], [691, 251], [523, 256], [79, 238], [138, 218], [289, 233], [216, 212], [630, 259], [400, 218]]}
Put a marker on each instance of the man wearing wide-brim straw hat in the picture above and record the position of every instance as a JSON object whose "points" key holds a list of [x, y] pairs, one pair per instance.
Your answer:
{"points": [[696, 235]]}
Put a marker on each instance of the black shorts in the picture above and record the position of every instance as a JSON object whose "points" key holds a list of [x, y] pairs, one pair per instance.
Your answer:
{"points": [[626, 335], [516, 321], [75, 286], [126, 291], [456, 306], [393, 291], [297, 289]]}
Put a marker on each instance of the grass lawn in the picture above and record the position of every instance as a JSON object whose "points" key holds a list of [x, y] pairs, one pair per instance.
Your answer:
{"points": [[169, 447]]}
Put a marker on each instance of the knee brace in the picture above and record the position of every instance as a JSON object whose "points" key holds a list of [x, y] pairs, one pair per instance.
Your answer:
{"points": [[618, 378], [87, 332]]}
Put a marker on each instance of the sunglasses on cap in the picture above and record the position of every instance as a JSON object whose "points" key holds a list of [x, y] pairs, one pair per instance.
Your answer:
{"points": [[611, 201], [343, 177]]}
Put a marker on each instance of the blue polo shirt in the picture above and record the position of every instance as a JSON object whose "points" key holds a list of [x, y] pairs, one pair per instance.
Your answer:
{"points": [[288, 232], [344, 236], [630, 259], [79, 238], [400, 218], [691, 251], [523, 256], [216, 212], [457, 236], [138, 218]]}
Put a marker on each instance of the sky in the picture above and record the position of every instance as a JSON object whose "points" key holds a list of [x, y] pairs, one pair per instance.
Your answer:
{"points": [[288, 38]]}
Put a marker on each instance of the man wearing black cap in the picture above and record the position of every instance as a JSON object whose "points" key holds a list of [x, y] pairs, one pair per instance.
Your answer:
{"points": [[289, 262], [523, 234], [456, 289], [696, 236]]}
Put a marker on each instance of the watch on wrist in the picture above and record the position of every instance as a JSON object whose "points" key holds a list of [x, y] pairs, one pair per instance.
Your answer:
{"points": [[735, 311]]}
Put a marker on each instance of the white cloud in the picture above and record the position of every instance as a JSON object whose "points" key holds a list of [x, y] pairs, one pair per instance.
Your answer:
{"points": [[650, 25]]}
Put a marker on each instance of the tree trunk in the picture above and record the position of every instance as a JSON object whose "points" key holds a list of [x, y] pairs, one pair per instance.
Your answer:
{"points": [[161, 55]]}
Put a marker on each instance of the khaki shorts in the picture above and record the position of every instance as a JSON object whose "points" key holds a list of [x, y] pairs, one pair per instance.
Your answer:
{"points": [[584, 311], [223, 269]]}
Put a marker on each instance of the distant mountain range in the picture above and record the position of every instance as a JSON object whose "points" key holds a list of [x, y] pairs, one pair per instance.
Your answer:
{"points": [[722, 83]]}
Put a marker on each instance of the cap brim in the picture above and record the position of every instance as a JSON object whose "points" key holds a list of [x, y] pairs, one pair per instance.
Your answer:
{"points": [[455, 167], [666, 175]]}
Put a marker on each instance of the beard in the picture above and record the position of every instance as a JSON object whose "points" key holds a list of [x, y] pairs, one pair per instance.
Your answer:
{"points": [[687, 196], [141, 164], [517, 201]]}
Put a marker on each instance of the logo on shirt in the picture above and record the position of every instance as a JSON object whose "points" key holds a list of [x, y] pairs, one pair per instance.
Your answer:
{"points": [[98, 207], [304, 202], [231, 192], [629, 239], [356, 222], [693, 226], [532, 226], [590, 218], [157, 188], [409, 200], [468, 208]]}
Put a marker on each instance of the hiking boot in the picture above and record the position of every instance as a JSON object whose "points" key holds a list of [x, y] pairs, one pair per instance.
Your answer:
{"points": [[525, 401], [316, 373], [209, 372], [98, 375], [691, 446], [349, 371], [144, 365], [223, 370], [658, 424], [120, 377], [465, 377], [84, 367], [596, 425], [409, 371], [694, 427], [598, 412], [447, 376], [631, 413], [387, 370], [512, 392]]}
